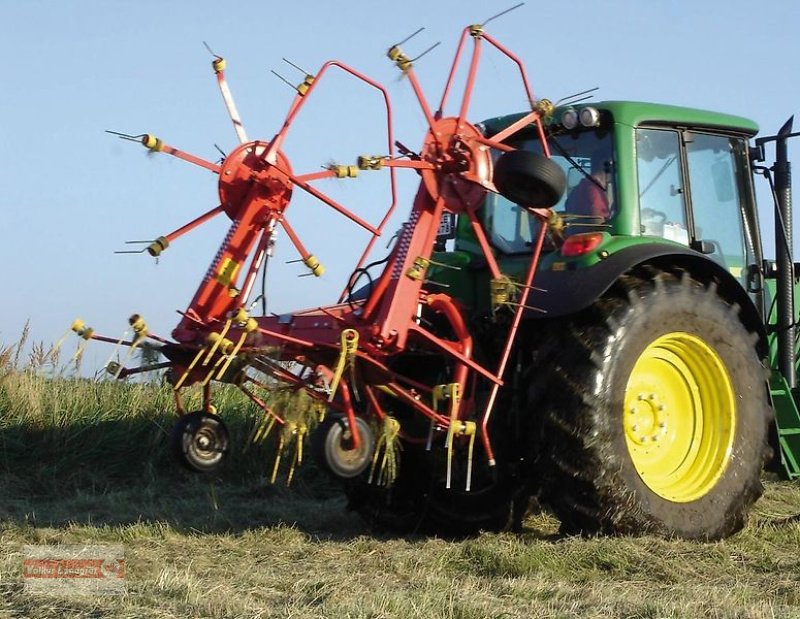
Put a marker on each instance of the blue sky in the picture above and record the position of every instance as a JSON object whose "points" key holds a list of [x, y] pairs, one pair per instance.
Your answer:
{"points": [[70, 194]]}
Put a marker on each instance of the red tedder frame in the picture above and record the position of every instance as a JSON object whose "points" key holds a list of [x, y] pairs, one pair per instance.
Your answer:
{"points": [[217, 339]]}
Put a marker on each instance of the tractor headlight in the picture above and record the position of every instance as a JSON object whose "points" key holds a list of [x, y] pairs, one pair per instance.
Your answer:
{"points": [[590, 117], [569, 119]]}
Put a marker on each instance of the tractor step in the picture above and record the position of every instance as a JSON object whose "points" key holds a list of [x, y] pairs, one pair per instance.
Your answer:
{"points": [[787, 420]]}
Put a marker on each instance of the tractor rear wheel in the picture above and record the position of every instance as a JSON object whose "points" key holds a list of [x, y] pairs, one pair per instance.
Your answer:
{"points": [[419, 501], [654, 414]]}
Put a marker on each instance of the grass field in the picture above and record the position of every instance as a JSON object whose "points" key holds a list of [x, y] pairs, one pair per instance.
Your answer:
{"points": [[86, 462]]}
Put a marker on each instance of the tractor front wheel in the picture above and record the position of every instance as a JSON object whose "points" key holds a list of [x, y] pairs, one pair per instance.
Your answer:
{"points": [[655, 413]]}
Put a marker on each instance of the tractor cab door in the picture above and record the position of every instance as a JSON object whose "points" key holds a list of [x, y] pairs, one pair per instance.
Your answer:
{"points": [[694, 189], [720, 199]]}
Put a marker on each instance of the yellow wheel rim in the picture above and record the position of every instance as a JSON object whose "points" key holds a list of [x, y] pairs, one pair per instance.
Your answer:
{"points": [[679, 417]]}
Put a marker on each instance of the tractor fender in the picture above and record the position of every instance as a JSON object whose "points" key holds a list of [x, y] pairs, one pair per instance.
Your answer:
{"points": [[569, 291]]}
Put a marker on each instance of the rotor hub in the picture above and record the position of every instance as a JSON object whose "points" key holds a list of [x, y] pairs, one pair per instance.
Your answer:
{"points": [[248, 175], [462, 166]]}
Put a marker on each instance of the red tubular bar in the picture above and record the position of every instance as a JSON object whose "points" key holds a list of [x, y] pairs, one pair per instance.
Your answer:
{"points": [[409, 398], [446, 347], [473, 69], [453, 69], [412, 79], [194, 223], [487, 251], [171, 150], [444, 304], [304, 253], [261, 404], [255, 263], [514, 127], [537, 250], [373, 400], [313, 176], [285, 338], [227, 98], [517, 62], [494, 144], [347, 403], [333, 204]]}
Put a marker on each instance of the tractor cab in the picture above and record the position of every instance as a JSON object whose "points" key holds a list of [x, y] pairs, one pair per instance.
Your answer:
{"points": [[640, 178]]}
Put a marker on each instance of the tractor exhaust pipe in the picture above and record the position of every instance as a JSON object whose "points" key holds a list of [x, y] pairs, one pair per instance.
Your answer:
{"points": [[784, 256]]}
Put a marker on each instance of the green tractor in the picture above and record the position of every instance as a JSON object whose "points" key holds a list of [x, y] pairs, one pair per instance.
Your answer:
{"points": [[594, 324], [662, 344]]}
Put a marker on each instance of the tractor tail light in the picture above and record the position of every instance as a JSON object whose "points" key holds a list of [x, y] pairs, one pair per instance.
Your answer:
{"points": [[580, 244]]}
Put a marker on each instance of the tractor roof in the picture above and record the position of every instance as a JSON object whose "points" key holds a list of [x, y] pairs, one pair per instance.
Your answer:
{"points": [[635, 113]]}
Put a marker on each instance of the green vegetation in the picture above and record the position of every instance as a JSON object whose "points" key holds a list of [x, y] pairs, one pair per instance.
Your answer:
{"points": [[88, 462]]}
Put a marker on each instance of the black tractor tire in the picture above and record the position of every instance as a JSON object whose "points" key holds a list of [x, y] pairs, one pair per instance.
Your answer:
{"points": [[653, 339], [200, 441], [419, 502], [529, 179]]}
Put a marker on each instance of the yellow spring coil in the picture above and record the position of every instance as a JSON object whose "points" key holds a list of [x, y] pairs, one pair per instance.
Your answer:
{"points": [[348, 346], [313, 263], [189, 368], [417, 270], [111, 367], [57, 346], [555, 222], [85, 333], [262, 430], [397, 56], [159, 245], [218, 64], [389, 446], [297, 460], [453, 393], [139, 327], [152, 143], [79, 327], [249, 327], [545, 107], [291, 431], [218, 339], [344, 171], [502, 291], [370, 162], [225, 346], [278, 455], [302, 89], [470, 429]]}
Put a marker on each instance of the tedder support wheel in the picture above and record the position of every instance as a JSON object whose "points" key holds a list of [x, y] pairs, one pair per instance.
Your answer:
{"points": [[200, 441], [654, 413], [334, 450]]}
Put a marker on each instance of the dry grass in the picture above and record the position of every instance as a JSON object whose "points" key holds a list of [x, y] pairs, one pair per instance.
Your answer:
{"points": [[86, 462]]}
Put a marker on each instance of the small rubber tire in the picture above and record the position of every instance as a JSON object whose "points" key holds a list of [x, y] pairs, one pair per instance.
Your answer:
{"points": [[529, 179], [200, 441], [328, 443]]}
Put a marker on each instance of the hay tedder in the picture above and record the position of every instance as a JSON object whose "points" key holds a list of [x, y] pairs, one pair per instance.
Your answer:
{"points": [[575, 309]]}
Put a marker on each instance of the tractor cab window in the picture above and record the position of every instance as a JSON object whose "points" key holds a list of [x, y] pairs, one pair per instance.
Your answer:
{"points": [[716, 165], [661, 185], [586, 156]]}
